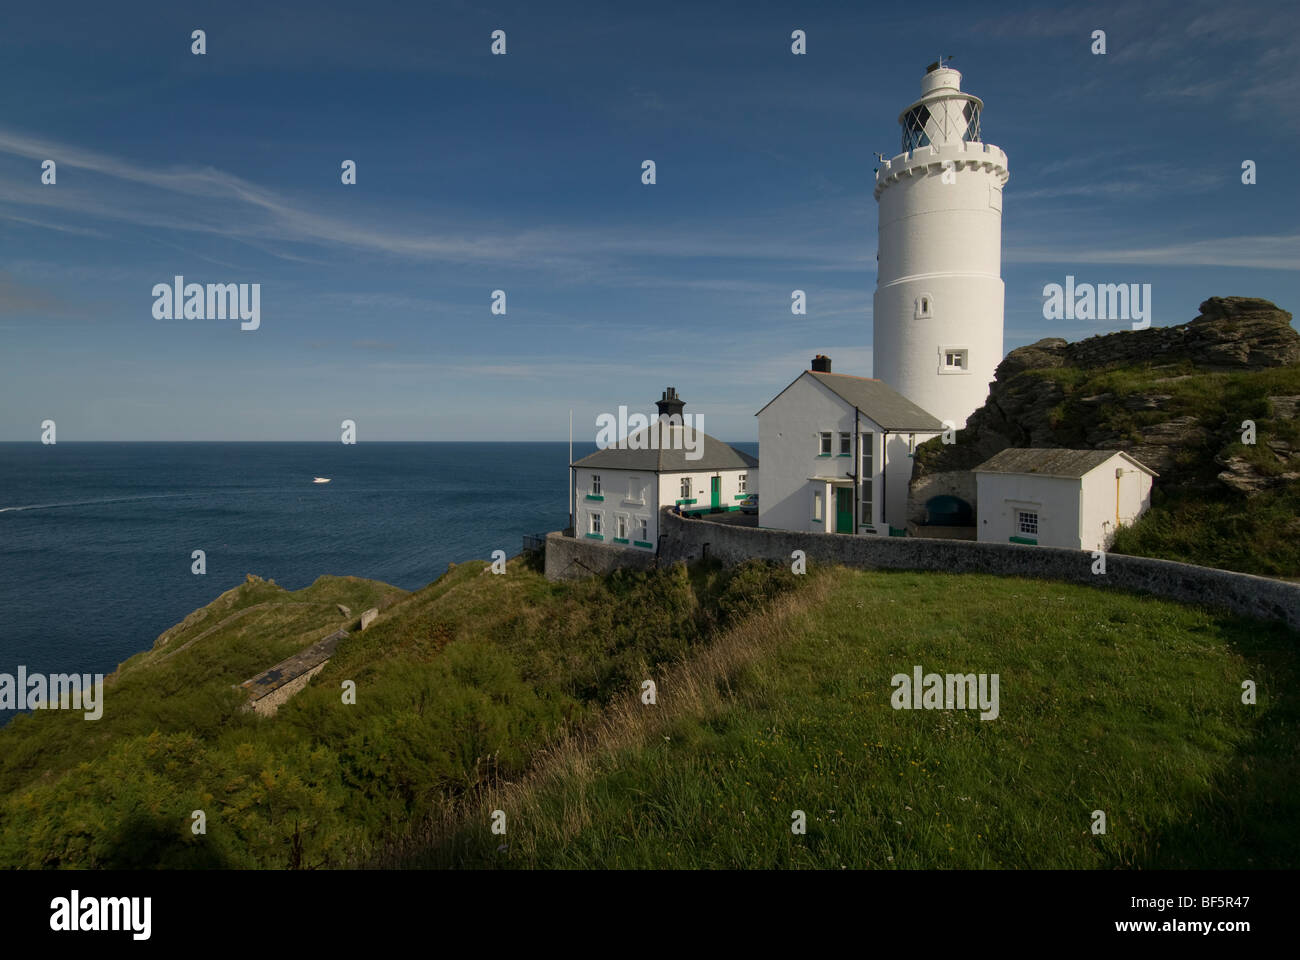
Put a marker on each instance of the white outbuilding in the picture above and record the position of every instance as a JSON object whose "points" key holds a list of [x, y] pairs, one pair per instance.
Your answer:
{"points": [[837, 454], [618, 491], [1060, 498]]}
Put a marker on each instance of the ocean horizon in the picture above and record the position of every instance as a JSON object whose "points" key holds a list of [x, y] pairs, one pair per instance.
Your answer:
{"points": [[97, 537]]}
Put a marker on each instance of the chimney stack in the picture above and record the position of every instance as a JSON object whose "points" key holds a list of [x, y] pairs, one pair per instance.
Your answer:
{"points": [[821, 363], [670, 406]]}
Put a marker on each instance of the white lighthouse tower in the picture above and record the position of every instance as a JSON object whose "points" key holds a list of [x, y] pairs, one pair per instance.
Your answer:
{"points": [[939, 291]]}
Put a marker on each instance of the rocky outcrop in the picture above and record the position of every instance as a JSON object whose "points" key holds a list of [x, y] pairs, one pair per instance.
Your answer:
{"points": [[1277, 458], [1231, 333], [1030, 404]]}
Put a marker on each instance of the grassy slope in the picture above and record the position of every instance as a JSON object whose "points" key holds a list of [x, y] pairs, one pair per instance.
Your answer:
{"points": [[455, 683], [1108, 701], [241, 633], [94, 793]]}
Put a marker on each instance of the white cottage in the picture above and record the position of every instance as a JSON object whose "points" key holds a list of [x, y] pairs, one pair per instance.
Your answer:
{"points": [[837, 453], [1060, 498], [617, 491]]}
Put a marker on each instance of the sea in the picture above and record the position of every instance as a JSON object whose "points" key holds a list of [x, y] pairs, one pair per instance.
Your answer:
{"points": [[97, 539]]}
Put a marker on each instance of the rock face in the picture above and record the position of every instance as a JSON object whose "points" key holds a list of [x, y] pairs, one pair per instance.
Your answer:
{"points": [[1231, 333], [1281, 454], [1029, 406]]}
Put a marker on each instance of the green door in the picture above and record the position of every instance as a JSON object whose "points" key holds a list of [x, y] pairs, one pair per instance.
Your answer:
{"points": [[716, 491], [843, 509]]}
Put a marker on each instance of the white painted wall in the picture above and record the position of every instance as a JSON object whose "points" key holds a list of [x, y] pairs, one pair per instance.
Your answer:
{"points": [[1055, 499], [899, 474], [1079, 514], [943, 241], [637, 495], [631, 494], [789, 431], [670, 487], [1099, 501]]}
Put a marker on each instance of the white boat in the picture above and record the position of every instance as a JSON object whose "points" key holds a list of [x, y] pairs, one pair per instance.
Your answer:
{"points": [[320, 480]]}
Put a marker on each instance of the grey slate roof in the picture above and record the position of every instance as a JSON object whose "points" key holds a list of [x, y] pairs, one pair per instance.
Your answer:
{"points": [[883, 404], [1052, 461], [714, 455]]}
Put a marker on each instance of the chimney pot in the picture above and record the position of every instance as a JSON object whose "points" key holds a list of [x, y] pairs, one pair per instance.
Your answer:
{"points": [[821, 363], [670, 406]]}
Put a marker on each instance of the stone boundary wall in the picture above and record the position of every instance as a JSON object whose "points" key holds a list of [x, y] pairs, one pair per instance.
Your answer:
{"points": [[572, 559], [684, 539], [1242, 593]]}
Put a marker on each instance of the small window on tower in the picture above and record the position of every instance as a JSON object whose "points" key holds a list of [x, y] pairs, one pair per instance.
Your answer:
{"points": [[954, 360], [924, 306]]}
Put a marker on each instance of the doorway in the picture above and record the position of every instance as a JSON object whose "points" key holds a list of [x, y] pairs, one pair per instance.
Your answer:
{"points": [[843, 509]]}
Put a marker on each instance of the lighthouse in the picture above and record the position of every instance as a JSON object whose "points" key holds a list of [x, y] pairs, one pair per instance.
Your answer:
{"points": [[939, 292]]}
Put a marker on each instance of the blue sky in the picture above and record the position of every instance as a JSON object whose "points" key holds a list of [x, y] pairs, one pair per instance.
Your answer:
{"points": [[480, 172]]}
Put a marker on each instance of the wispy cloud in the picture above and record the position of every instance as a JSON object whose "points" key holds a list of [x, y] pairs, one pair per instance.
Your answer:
{"points": [[1124, 180], [225, 205], [1260, 253]]}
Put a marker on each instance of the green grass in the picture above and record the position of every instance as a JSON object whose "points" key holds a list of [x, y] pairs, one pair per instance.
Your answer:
{"points": [[485, 692], [1260, 535], [456, 684], [1109, 701]]}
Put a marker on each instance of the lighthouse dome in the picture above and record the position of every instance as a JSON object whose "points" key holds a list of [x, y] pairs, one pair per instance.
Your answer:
{"points": [[943, 114]]}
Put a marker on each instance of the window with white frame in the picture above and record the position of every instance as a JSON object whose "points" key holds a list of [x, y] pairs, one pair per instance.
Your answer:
{"points": [[686, 488], [643, 529], [1027, 523], [634, 489], [955, 359], [742, 482], [622, 527], [825, 443], [846, 444], [595, 523], [867, 518], [924, 306], [595, 484]]}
